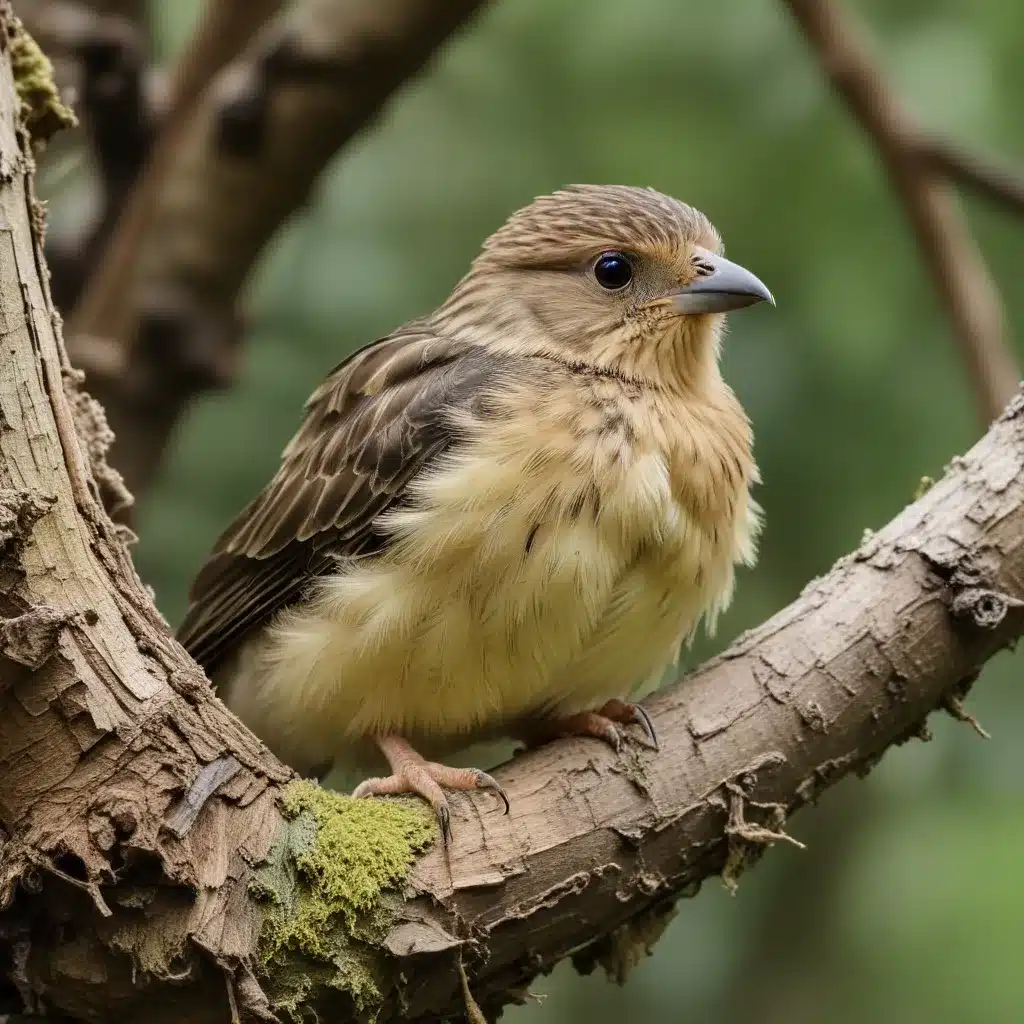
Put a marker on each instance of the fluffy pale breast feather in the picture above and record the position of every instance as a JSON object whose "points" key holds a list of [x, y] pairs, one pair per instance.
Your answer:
{"points": [[555, 559]]}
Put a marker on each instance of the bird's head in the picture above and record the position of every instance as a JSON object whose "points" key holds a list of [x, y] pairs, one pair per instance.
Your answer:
{"points": [[625, 279]]}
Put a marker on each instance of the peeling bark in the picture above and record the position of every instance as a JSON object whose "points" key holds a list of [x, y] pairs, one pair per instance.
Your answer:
{"points": [[143, 829], [104, 722]]}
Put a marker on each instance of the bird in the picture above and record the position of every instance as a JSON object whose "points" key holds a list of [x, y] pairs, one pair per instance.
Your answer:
{"points": [[504, 519]]}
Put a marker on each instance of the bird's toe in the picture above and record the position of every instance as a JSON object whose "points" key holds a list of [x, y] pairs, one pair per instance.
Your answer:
{"points": [[429, 780], [631, 714], [488, 782], [590, 723]]}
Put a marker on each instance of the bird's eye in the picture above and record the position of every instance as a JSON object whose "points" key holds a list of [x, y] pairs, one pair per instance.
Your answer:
{"points": [[613, 271]]}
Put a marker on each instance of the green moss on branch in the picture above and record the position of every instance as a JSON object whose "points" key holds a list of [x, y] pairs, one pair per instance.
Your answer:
{"points": [[43, 112], [326, 885]]}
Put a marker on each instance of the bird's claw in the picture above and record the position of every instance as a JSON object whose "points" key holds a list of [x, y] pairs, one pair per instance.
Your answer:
{"points": [[427, 779], [632, 714], [613, 736], [444, 823], [488, 782], [604, 724]]}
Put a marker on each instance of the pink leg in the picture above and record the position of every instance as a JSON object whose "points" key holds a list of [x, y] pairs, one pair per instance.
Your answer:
{"points": [[602, 725], [411, 773]]}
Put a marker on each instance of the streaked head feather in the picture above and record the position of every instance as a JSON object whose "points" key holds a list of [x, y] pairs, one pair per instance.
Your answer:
{"points": [[581, 220]]}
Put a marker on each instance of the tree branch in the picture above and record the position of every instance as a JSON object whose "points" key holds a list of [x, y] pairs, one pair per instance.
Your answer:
{"points": [[105, 65], [596, 849], [225, 30], [950, 253], [118, 96], [997, 182], [122, 118], [141, 822], [158, 322]]}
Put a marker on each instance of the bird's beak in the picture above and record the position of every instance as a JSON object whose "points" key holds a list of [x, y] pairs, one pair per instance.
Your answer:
{"points": [[728, 286]]}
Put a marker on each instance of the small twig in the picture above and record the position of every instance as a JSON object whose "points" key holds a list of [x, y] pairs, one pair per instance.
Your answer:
{"points": [[954, 260], [955, 706], [91, 889], [229, 981], [750, 831], [473, 1012], [743, 835]]}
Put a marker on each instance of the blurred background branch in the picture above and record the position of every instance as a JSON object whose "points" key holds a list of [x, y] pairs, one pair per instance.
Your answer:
{"points": [[808, 894], [947, 246], [158, 321], [996, 182], [104, 66], [224, 30]]}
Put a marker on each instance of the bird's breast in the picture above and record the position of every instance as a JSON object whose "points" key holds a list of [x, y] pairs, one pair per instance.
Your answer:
{"points": [[557, 557]]}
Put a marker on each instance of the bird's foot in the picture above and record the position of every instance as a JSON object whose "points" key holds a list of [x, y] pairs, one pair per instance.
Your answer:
{"points": [[411, 773], [604, 724], [631, 714]]}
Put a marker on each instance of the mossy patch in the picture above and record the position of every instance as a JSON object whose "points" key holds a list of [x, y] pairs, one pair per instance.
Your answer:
{"points": [[327, 883], [43, 112]]}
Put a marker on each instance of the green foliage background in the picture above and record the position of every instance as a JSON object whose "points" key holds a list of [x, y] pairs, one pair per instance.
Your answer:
{"points": [[908, 904]]}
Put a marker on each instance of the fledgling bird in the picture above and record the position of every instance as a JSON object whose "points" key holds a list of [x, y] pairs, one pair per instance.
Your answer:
{"points": [[506, 517]]}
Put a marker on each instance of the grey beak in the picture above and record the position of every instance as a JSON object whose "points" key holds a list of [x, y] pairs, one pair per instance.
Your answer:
{"points": [[727, 286]]}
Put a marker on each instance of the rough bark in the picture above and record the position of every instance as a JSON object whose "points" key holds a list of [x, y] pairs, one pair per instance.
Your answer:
{"points": [[141, 822], [158, 322], [105, 722]]}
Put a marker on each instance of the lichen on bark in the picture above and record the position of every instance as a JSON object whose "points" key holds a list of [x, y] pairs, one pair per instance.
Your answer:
{"points": [[326, 886], [43, 112]]}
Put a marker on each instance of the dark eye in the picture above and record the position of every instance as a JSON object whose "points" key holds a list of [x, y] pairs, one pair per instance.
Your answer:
{"points": [[613, 271]]}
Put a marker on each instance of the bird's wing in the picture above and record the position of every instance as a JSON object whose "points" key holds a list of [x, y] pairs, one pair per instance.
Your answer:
{"points": [[375, 422]]}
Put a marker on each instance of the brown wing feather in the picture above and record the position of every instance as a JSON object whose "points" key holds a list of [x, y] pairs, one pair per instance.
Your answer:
{"points": [[375, 422]]}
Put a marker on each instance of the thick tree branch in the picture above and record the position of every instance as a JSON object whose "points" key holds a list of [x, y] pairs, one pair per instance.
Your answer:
{"points": [[950, 253], [596, 849], [158, 322], [105, 723]]}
